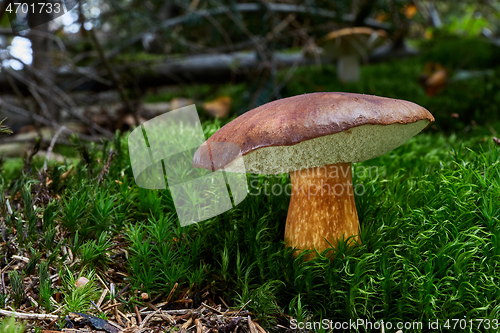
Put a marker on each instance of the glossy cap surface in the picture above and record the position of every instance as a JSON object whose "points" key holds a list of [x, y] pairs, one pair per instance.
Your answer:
{"points": [[312, 130]]}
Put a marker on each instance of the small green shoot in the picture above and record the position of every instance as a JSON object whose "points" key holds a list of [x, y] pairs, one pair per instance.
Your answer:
{"points": [[16, 283], [78, 299], [46, 289]]}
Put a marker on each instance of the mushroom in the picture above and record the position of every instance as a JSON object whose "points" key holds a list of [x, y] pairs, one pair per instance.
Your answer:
{"points": [[315, 137], [81, 282], [349, 46]]}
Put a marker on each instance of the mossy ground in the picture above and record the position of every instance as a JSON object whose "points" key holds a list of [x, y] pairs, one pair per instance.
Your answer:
{"points": [[429, 216]]}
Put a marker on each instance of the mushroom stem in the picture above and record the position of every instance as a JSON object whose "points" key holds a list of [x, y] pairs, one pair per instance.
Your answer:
{"points": [[348, 68], [321, 206]]}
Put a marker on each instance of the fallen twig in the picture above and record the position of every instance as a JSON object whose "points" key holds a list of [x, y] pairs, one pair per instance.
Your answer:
{"points": [[111, 306], [42, 120], [139, 319], [71, 105], [144, 322], [225, 304], [105, 169], [261, 330], [211, 308], [25, 259], [56, 94], [251, 325], [171, 292], [21, 315], [237, 313], [172, 312], [52, 143], [122, 291], [199, 326]]}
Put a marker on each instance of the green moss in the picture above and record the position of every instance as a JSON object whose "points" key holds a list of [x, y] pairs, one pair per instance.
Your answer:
{"points": [[455, 52], [429, 217], [475, 100], [11, 168]]}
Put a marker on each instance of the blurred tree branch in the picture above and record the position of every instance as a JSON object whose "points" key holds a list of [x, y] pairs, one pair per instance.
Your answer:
{"points": [[189, 43], [246, 8], [4, 129]]}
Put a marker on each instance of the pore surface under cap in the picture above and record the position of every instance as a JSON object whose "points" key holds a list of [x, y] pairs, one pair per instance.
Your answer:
{"points": [[296, 120]]}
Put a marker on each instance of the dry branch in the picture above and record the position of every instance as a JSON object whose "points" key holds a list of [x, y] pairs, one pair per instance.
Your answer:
{"points": [[255, 7], [21, 315], [195, 68], [42, 120]]}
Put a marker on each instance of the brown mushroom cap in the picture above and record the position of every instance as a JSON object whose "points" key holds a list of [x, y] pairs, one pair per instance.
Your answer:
{"points": [[313, 130], [354, 31], [348, 40]]}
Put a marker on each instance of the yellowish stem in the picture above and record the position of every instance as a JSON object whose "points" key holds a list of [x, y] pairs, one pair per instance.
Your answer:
{"points": [[321, 206]]}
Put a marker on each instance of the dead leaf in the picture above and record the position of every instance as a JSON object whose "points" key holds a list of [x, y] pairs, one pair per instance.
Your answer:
{"points": [[382, 17], [434, 78], [67, 173], [180, 102], [410, 11], [218, 107]]}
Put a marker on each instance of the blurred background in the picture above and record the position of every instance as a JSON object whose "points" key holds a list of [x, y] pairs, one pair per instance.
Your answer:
{"points": [[110, 65]]}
